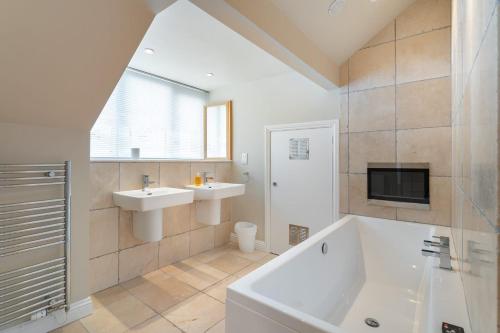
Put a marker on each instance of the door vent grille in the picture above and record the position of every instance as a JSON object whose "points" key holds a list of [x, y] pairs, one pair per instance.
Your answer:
{"points": [[297, 234]]}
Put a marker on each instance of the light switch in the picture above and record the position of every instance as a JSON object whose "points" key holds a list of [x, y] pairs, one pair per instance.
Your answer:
{"points": [[244, 158]]}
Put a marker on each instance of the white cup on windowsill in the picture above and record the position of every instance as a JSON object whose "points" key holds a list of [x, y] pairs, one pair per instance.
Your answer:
{"points": [[135, 153]]}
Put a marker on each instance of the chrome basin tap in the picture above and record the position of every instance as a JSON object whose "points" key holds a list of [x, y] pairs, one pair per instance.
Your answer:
{"points": [[146, 182], [443, 254]]}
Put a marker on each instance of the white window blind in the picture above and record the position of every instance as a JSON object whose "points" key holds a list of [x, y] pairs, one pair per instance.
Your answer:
{"points": [[163, 119], [216, 131]]}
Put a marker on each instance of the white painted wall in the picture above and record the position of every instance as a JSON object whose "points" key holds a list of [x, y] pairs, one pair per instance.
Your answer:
{"points": [[286, 98]]}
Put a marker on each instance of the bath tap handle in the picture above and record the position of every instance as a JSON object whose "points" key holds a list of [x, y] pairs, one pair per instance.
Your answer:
{"points": [[444, 258], [436, 244]]}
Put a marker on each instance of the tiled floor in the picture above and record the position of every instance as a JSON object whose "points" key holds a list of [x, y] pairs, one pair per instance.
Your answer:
{"points": [[186, 297]]}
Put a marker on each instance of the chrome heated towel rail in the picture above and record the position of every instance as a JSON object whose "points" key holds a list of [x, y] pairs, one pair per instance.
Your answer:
{"points": [[34, 240]]}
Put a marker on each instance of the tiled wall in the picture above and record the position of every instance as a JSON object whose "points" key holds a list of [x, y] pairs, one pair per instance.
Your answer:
{"points": [[396, 107], [475, 225], [115, 254]]}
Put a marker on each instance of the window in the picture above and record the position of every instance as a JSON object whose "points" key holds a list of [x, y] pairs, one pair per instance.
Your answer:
{"points": [[218, 131], [162, 118]]}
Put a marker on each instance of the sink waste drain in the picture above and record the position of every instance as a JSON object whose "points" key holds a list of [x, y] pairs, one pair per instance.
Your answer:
{"points": [[372, 322]]}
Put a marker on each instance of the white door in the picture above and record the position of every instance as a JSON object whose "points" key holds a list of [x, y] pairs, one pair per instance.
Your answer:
{"points": [[302, 184]]}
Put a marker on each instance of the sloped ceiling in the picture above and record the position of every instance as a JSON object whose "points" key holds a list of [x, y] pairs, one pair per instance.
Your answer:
{"points": [[190, 43], [60, 59], [341, 33]]}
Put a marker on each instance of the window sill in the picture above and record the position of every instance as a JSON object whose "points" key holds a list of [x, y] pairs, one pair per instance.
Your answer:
{"points": [[155, 160]]}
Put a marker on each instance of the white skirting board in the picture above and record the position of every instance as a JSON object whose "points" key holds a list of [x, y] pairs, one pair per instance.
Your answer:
{"points": [[55, 319], [259, 245]]}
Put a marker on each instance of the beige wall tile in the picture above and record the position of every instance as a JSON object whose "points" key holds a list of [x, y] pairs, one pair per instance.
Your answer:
{"points": [[424, 56], [103, 228], [175, 174], [201, 167], [358, 202], [423, 16], [387, 34], [137, 261], [440, 212], [372, 110], [344, 77], [131, 174], [370, 147], [223, 233], [176, 220], [424, 104], [223, 172], [432, 145], [174, 249], [344, 153], [344, 113], [104, 180], [126, 236], [372, 67], [484, 126], [201, 240], [103, 272], [344, 193]]}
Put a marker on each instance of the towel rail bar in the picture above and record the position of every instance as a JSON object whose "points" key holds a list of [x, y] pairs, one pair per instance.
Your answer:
{"points": [[32, 273], [13, 225], [48, 226], [22, 269], [29, 203], [17, 211], [16, 298], [35, 285]]}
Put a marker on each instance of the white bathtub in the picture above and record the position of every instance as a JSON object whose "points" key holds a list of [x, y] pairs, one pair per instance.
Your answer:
{"points": [[373, 268]]}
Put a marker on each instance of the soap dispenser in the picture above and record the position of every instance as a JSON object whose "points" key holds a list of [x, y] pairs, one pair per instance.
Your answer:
{"points": [[197, 180]]}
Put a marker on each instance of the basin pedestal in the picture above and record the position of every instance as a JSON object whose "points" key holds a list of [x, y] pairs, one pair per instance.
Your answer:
{"points": [[208, 211], [148, 225]]}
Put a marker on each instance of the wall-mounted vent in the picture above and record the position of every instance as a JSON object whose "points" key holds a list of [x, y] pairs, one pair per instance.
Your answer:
{"points": [[404, 185], [297, 234]]}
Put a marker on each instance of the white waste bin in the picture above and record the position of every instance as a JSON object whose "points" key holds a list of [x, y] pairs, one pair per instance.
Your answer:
{"points": [[246, 232]]}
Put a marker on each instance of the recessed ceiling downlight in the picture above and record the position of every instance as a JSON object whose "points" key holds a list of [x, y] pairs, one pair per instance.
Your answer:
{"points": [[210, 74], [336, 6], [149, 51]]}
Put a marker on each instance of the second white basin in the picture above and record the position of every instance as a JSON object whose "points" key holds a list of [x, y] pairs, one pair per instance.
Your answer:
{"points": [[152, 198], [215, 191]]}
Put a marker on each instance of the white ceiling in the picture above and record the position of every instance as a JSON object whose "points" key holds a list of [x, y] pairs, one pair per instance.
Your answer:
{"points": [[343, 33], [189, 43]]}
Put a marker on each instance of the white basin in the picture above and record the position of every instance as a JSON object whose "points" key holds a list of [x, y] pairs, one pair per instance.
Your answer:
{"points": [[147, 208], [213, 191], [208, 199], [153, 198]]}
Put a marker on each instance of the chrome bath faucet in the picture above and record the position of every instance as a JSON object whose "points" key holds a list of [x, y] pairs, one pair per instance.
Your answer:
{"points": [[443, 254]]}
